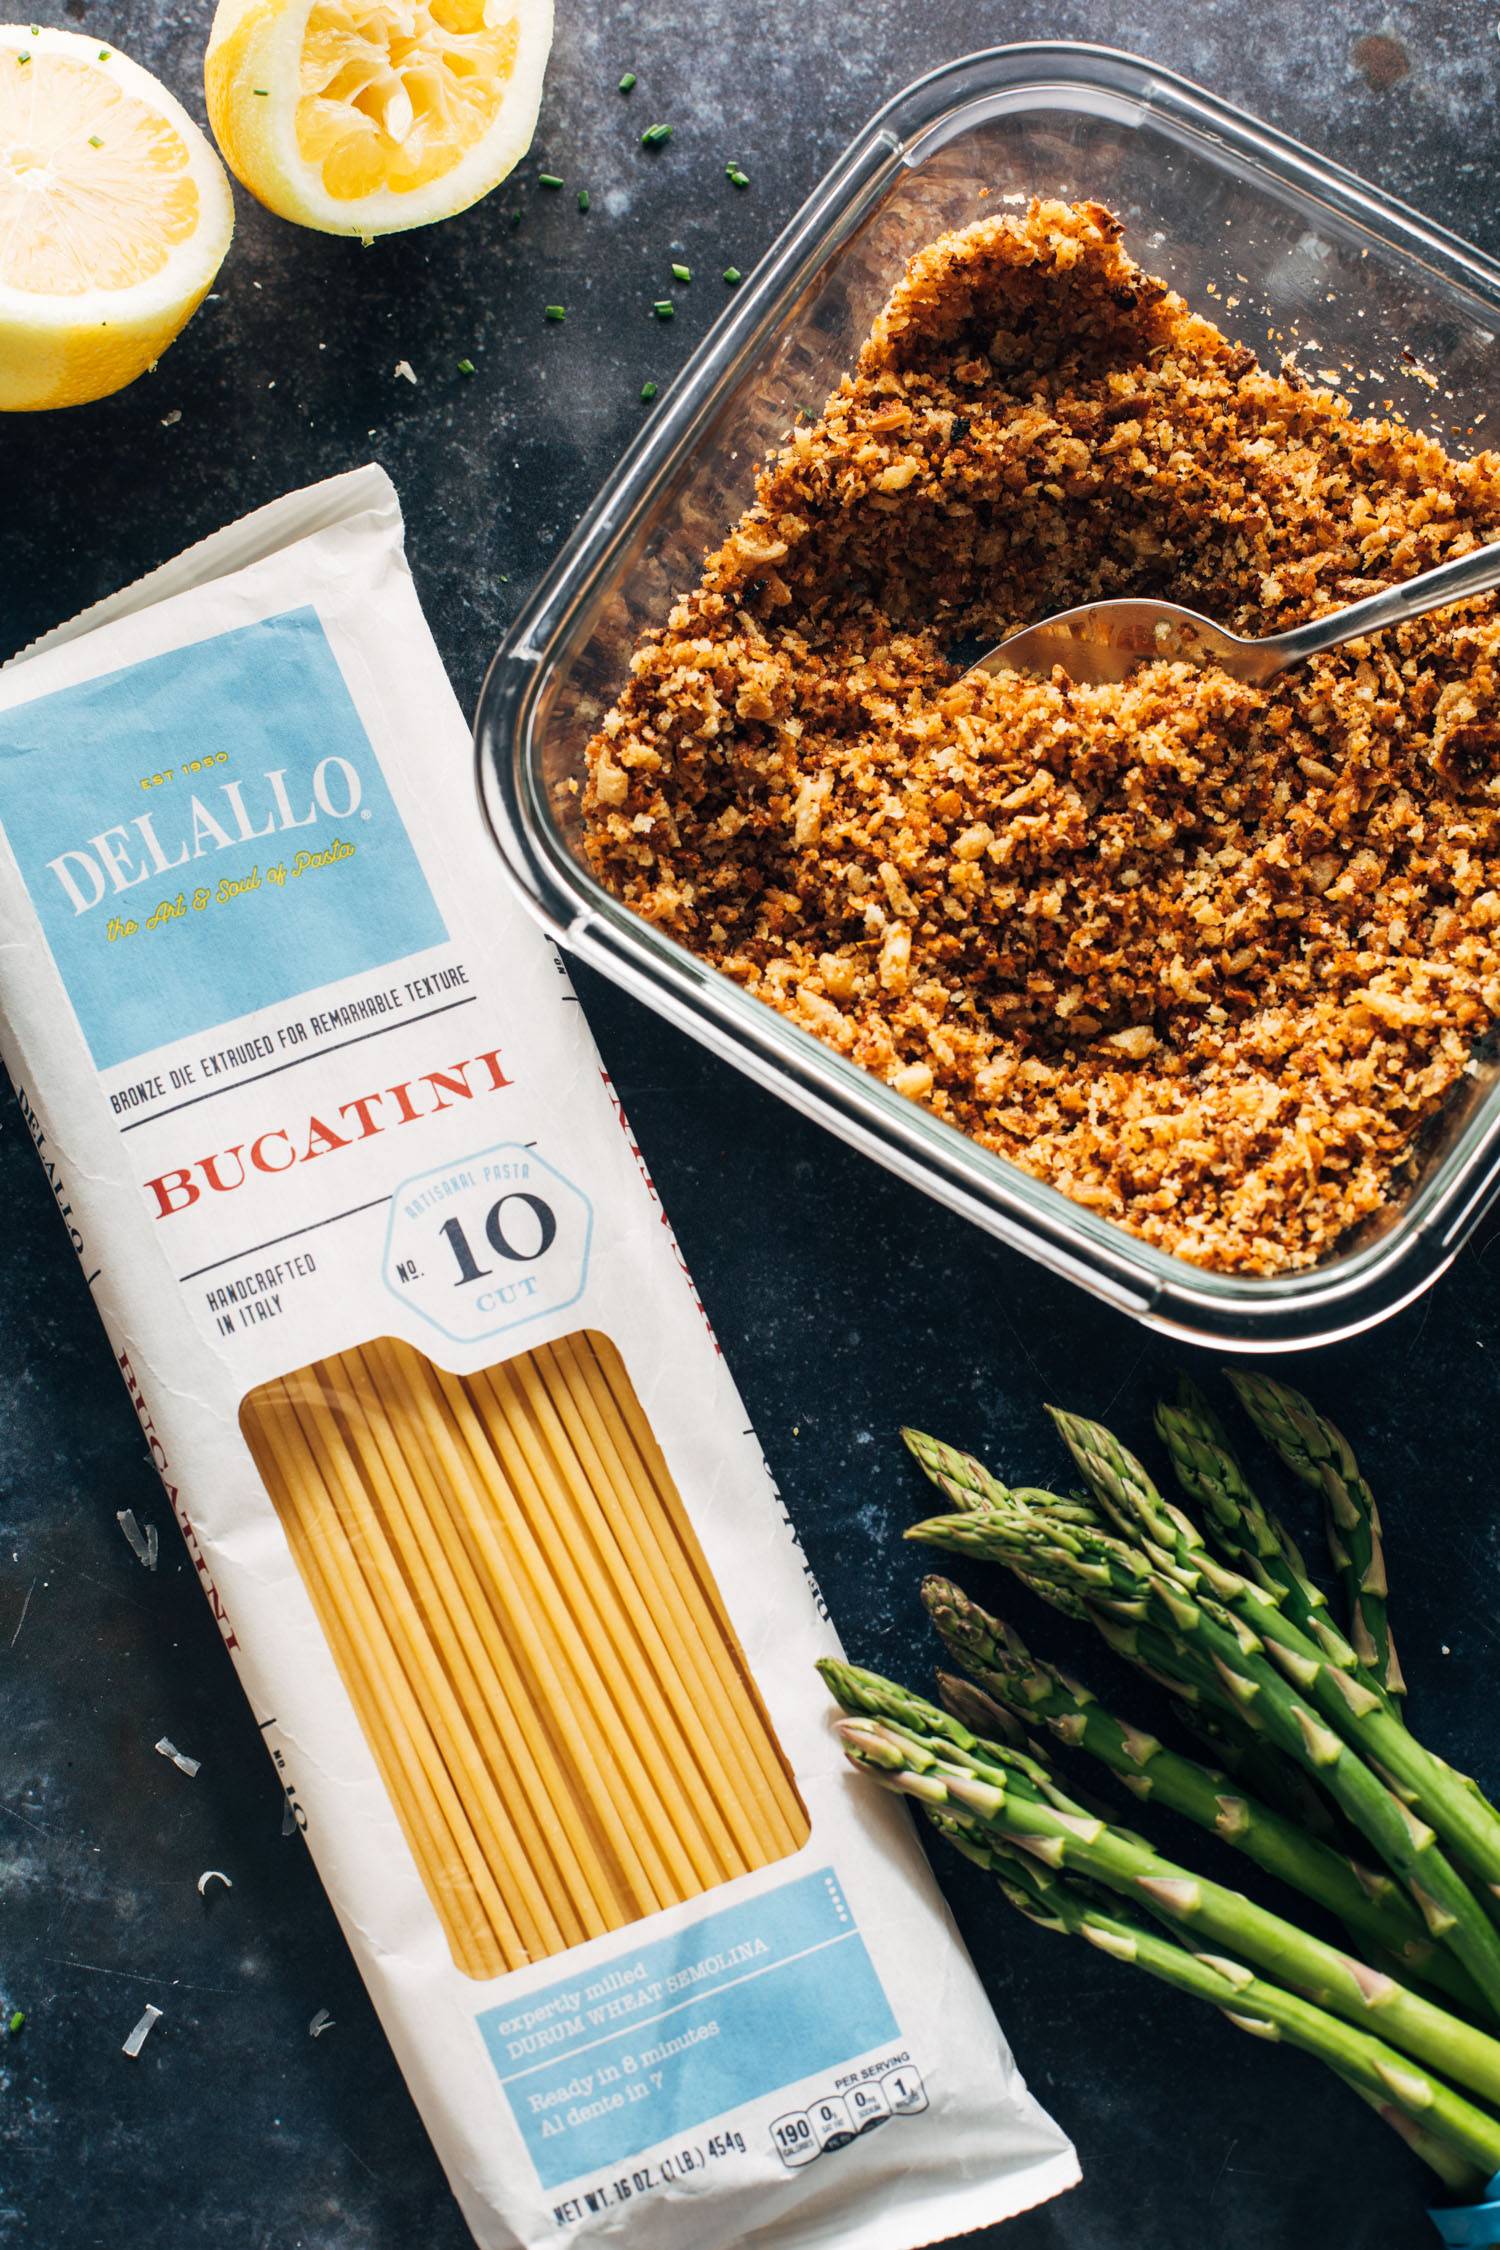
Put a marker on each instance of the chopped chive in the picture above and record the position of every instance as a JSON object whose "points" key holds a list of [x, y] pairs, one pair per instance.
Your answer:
{"points": [[104, 54], [94, 141], [17, 2021], [656, 136], [466, 367], [515, 218], [664, 309], [548, 179], [735, 176], [23, 58], [682, 273], [583, 199], [732, 274], [557, 312], [648, 390], [263, 91], [627, 82]]}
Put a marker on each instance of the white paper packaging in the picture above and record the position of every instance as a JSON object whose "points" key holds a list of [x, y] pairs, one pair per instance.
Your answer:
{"points": [[244, 889]]}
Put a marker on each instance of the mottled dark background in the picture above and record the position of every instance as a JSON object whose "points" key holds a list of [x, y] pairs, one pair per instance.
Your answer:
{"points": [[844, 1302]]}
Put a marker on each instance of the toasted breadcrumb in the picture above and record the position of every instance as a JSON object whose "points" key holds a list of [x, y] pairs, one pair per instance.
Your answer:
{"points": [[1205, 957]]}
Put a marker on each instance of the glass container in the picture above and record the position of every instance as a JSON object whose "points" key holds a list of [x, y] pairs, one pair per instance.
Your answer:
{"points": [[1284, 250]]}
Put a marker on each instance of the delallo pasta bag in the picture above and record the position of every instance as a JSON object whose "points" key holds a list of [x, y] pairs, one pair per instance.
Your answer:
{"points": [[524, 1624]]}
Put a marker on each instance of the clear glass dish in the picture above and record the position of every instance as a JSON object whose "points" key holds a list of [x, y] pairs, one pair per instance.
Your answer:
{"points": [[1282, 249]]}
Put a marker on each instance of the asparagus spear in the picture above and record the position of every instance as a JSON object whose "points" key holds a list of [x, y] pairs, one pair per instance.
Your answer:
{"points": [[1137, 1509], [998, 1799], [1218, 1641], [1464, 2180], [1255, 1765], [1250, 1538], [982, 1714], [1454, 2136], [1315, 1450], [1261, 1545], [969, 1484], [1456, 1810], [1370, 1906], [986, 1725], [1232, 1730], [1204, 1706], [965, 1481], [1206, 1697], [872, 1696]]}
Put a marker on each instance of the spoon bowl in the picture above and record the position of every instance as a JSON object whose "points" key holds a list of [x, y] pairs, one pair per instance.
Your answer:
{"points": [[1102, 642]]}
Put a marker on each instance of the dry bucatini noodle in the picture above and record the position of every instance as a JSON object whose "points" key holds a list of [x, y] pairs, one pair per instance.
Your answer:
{"points": [[529, 1633], [1203, 956]]}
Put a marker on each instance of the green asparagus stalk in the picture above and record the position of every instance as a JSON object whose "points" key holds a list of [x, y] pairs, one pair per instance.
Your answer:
{"points": [[982, 1714], [1315, 1450], [1287, 1788], [1232, 1730], [871, 1695], [1443, 1799], [1260, 1545], [1174, 1542], [998, 1800], [989, 1721], [1015, 1527], [1098, 1578], [1463, 2179], [1218, 1640], [1028, 1553], [1454, 2137], [1205, 1708], [1246, 1534], [967, 1483], [1371, 1906]]}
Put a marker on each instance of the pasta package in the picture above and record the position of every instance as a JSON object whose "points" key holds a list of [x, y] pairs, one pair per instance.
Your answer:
{"points": [[523, 1622]]}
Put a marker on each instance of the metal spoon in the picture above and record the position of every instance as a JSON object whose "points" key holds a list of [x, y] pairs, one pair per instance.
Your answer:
{"points": [[1100, 642]]}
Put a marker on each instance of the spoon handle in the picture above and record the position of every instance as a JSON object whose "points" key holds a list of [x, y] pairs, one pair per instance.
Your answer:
{"points": [[1478, 573]]}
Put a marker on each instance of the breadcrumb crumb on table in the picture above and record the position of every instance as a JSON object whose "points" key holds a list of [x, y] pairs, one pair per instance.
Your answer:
{"points": [[1205, 957]]}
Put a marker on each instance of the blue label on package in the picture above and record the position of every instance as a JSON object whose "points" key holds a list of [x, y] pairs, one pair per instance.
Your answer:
{"points": [[688, 2027], [206, 833]]}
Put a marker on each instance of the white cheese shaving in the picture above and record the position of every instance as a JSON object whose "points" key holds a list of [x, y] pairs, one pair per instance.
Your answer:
{"points": [[321, 2022], [142, 1544], [137, 2039], [404, 369], [179, 1758], [212, 1875]]}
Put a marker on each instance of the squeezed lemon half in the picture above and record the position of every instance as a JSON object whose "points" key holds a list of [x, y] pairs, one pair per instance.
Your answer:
{"points": [[114, 218], [367, 116]]}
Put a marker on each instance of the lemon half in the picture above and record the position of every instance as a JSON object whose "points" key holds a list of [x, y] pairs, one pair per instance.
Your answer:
{"points": [[114, 218], [367, 116]]}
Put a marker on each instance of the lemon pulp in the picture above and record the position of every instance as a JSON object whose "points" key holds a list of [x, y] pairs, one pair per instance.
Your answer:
{"points": [[95, 187], [395, 92], [365, 117]]}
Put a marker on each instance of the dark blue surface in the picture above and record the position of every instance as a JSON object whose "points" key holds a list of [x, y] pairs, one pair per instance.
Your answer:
{"points": [[844, 1302]]}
